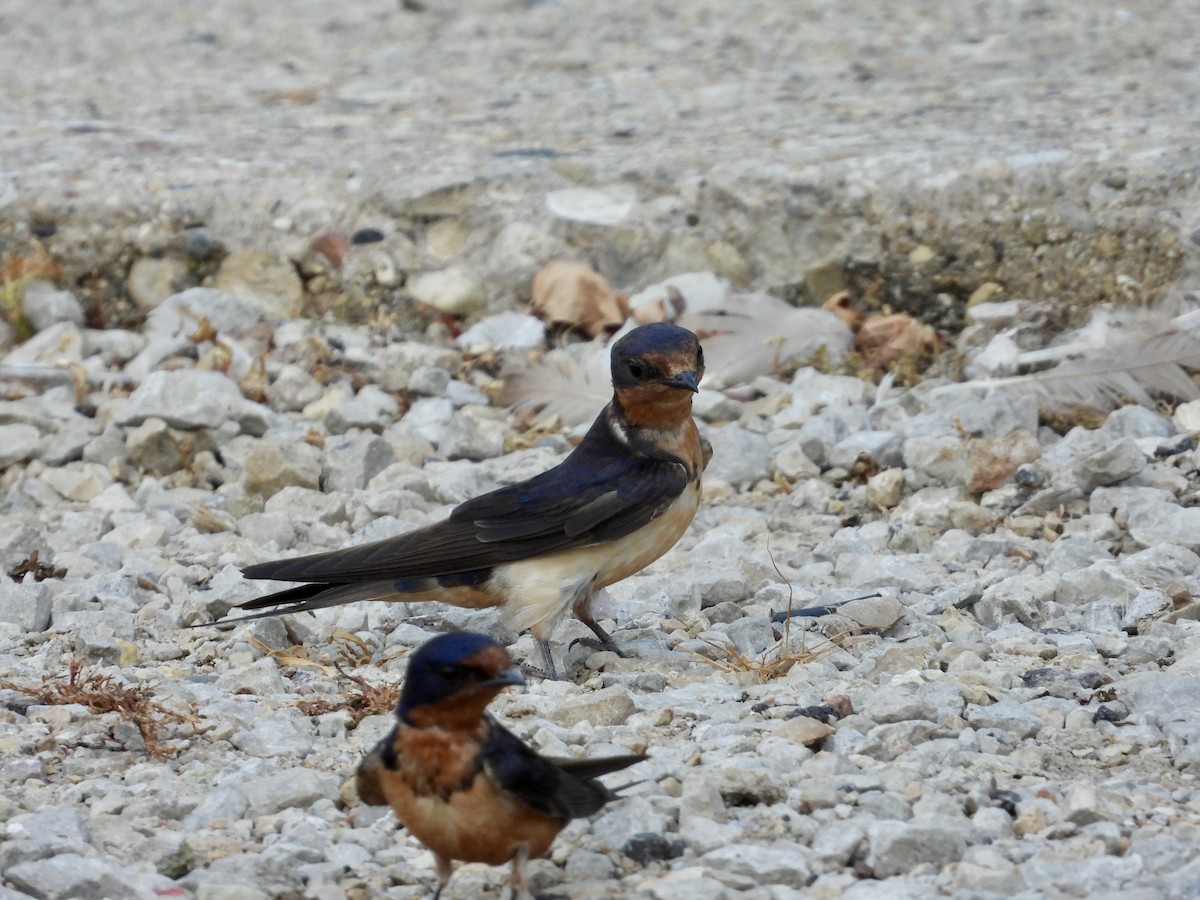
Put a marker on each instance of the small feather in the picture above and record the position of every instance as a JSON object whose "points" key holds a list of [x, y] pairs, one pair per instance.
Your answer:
{"points": [[757, 334], [1135, 356], [754, 334], [572, 383]]}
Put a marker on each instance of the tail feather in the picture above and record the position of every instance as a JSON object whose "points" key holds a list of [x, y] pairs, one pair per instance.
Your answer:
{"points": [[580, 790], [310, 597], [298, 594], [594, 768]]}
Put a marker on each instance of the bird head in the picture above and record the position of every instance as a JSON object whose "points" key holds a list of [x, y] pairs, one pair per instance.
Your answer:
{"points": [[453, 677], [655, 370]]}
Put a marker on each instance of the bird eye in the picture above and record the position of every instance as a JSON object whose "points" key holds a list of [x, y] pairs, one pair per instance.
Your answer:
{"points": [[636, 369], [452, 674], [700, 357]]}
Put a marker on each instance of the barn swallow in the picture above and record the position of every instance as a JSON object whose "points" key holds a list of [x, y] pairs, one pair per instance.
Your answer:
{"points": [[538, 548], [464, 786]]}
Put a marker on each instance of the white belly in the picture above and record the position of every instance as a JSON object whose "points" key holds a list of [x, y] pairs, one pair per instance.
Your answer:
{"points": [[541, 590]]}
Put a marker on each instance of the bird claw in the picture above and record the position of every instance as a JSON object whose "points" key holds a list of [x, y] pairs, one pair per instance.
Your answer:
{"points": [[596, 644], [533, 671]]}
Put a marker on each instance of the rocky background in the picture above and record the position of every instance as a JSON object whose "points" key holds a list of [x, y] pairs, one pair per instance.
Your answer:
{"points": [[237, 245]]}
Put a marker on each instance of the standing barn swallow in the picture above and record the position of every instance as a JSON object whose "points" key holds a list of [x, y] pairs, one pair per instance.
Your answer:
{"points": [[538, 548], [464, 786]]}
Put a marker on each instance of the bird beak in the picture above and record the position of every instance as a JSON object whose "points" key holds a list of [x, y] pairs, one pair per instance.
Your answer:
{"points": [[506, 678], [683, 380]]}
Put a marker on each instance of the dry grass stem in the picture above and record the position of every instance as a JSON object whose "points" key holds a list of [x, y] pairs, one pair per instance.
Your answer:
{"points": [[365, 700], [352, 653], [777, 660], [772, 663], [102, 693]]}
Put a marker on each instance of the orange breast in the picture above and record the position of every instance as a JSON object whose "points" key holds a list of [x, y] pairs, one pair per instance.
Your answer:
{"points": [[478, 823], [624, 557]]}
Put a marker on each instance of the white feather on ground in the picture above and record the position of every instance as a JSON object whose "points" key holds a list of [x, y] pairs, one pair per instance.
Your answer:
{"points": [[755, 335], [1118, 355], [570, 382]]}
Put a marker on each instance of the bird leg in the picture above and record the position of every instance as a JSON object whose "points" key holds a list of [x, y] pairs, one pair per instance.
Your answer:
{"points": [[548, 659], [444, 868], [582, 607], [517, 882], [550, 672]]}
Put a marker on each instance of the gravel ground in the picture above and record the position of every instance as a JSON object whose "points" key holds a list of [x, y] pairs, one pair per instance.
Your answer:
{"points": [[115, 101], [1048, 148], [1005, 698], [1008, 704]]}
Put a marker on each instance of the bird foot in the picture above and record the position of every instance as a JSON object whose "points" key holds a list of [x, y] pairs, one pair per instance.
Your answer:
{"points": [[597, 644], [532, 671]]}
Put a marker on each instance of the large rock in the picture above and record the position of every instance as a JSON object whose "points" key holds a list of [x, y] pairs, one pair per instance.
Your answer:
{"points": [[352, 460], [267, 278], [740, 457], [43, 305], [295, 787], [1159, 698], [58, 345], [894, 848], [26, 605], [152, 280], [192, 399], [70, 876], [18, 442], [786, 864], [1151, 524], [453, 290], [271, 466]]}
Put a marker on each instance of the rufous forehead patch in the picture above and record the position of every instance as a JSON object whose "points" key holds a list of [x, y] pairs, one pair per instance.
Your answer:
{"points": [[672, 362], [493, 660]]}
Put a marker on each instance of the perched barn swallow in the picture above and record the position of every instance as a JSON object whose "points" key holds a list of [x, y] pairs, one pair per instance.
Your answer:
{"points": [[536, 549], [464, 786]]}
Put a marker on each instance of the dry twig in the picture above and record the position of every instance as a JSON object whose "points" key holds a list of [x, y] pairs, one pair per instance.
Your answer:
{"points": [[353, 653], [102, 693], [368, 700], [776, 660]]}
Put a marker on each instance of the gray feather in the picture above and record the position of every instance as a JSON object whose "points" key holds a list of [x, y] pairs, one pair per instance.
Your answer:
{"points": [[1138, 356]]}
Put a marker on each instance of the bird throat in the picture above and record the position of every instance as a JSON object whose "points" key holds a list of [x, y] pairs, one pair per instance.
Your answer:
{"points": [[655, 406], [460, 711]]}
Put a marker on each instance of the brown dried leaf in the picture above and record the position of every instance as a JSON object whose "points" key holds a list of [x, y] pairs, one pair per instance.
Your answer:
{"points": [[885, 340], [217, 358], [574, 295], [333, 245], [33, 566], [20, 268], [841, 304], [254, 384], [299, 96], [205, 331], [355, 653]]}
